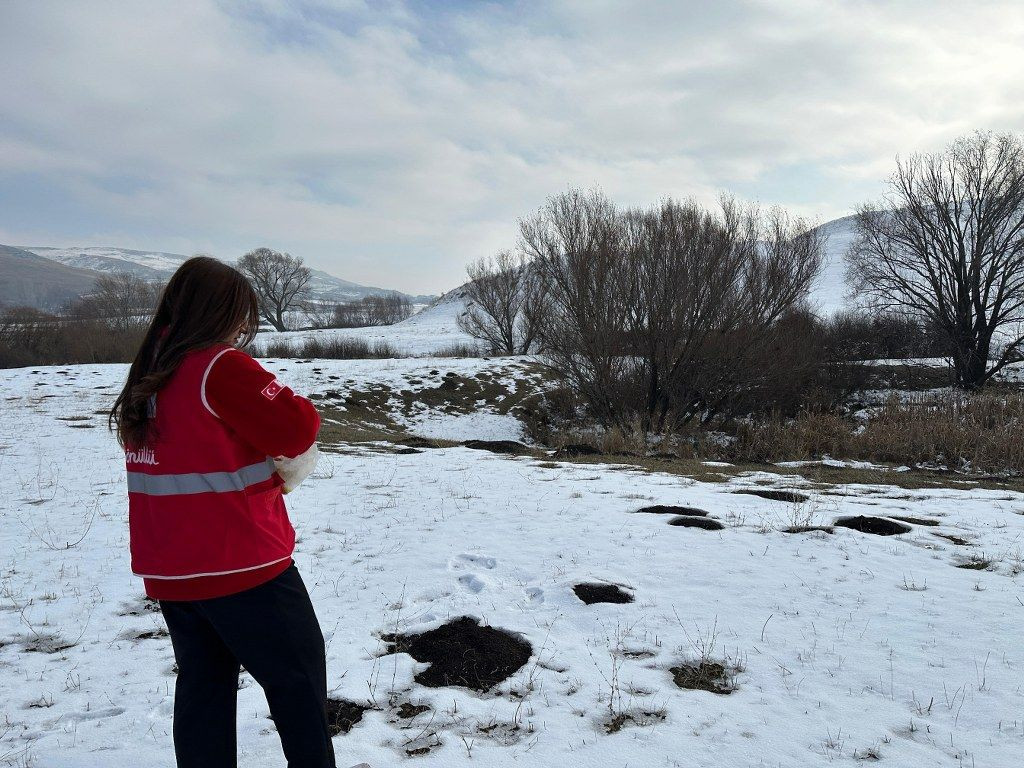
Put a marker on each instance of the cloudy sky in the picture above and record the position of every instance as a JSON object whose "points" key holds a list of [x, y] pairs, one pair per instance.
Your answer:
{"points": [[391, 143]]}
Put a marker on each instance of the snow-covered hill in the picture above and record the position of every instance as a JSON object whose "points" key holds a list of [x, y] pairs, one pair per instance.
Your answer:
{"points": [[146, 264], [431, 331], [829, 294]]}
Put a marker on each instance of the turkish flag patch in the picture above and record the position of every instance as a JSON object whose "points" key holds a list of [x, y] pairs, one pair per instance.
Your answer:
{"points": [[270, 391]]}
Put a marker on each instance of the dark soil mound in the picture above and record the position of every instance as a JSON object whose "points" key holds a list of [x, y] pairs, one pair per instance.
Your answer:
{"points": [[808, 529], [708, 676], [959, 541], [668, 509], [415, 441], [408, 710], [407, 451], [765, 493], [462, 652], [978, 564], [343, 714], [880, 526], [510, 447], [916, 520], [601, 593], [704, 523], [569, 451]]}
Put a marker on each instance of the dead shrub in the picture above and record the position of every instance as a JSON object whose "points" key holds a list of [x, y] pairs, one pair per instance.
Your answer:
{"points": [[326, 348]]}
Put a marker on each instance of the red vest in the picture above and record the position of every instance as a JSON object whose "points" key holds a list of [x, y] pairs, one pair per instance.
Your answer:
{"points": [[201, 502]]}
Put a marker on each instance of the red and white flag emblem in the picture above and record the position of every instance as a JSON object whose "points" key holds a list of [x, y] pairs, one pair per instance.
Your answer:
{"points": [[270, 391]]}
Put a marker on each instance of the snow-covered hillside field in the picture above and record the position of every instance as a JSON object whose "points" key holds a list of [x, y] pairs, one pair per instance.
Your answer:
{"points": [[903, 649], [430, 331]]}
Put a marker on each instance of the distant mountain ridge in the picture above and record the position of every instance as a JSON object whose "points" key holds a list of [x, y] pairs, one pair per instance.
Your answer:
{"points": [[58, 274], [27, 279]]}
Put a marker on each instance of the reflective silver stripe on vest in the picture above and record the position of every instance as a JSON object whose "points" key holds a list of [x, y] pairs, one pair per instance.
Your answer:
{"points": [[200, 482]]}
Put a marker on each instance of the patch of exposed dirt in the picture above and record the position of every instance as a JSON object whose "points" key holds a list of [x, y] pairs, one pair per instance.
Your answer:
{"points": [[150, 634], [591, 593], [976, 564], [463, 653], [775, 495], [669, 509], [639, 717], [47, 644], [342, 714], [808, 529], [143, 607], [960, 542], [706, 675], [879, 526], [507, 447], [415, 441], [407, 710], [576, 449], [704, 523]]}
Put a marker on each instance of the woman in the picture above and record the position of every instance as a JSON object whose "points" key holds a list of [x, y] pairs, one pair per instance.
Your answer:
{"points": [[211, 441]]}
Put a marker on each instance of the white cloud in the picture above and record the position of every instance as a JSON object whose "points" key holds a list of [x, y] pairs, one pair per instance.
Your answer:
{"points": [[391, 143]]}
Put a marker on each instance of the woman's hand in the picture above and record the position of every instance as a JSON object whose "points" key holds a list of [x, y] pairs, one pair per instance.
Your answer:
{"points": [[294, 471]]}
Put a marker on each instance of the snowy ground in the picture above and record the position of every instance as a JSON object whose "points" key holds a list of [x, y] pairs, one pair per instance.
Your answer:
{"points": [[850, 644]]}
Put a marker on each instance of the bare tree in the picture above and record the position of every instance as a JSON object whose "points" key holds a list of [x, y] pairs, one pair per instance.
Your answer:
{"points": [[575, 242], [947, 246], [505, 301], [656, 314], [281, 282]]}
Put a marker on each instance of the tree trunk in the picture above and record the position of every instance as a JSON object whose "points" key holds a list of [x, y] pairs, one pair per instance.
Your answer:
{"points": [[970, 361]]}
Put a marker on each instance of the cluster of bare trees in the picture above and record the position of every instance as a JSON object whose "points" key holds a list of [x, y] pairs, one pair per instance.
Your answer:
{"points": [[655, 316], [104, 326], [946, 247], [124, 301], [386, 309]]}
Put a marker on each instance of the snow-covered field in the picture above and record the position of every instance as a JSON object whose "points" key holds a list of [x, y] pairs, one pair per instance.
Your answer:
{"points": [[849, 644]]}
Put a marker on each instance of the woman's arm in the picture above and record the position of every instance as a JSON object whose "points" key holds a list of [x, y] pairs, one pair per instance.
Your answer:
{"points": [[263, 412]]}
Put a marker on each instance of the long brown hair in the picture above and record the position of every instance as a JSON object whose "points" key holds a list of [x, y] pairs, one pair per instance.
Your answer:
{"points": [[204, 302]]}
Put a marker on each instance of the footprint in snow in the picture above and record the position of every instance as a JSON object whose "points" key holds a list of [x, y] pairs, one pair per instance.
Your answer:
{"points": [[472, 582], [92, 714], [459, 562]]}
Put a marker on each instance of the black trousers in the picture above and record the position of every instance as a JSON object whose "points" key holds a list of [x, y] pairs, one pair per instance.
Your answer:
{"points": [[271, 630]]}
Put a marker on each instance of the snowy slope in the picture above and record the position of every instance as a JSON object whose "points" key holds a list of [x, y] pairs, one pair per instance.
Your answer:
{"points": [[830, 289], [428, 332], [851, 645]]}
